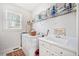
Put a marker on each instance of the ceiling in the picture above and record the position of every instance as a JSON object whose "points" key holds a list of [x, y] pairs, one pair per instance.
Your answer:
{"points": [[32, 6]]}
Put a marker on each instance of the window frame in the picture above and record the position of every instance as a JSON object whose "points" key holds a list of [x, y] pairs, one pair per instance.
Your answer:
{"points": [[16, 13]]}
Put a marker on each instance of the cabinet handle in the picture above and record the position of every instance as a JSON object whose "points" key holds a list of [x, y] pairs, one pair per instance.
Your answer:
{"points": [[46, 51], [61, 52], [52, 54]]}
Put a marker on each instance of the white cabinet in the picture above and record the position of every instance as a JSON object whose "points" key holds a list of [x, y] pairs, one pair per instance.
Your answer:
{"points": [[29, 44], [46, 52], [44, 49], [47, 49], [24, 45]]}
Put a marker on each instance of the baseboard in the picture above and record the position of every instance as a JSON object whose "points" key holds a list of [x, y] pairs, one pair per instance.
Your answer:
{"points": [[9, 50]]}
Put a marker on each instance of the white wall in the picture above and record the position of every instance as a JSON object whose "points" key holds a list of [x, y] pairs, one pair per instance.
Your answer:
{"points": [[11, 38], [40, 8], [66, 21]]}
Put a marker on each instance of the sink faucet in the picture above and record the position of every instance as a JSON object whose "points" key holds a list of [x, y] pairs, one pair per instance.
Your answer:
{"points": [[47, 32]]}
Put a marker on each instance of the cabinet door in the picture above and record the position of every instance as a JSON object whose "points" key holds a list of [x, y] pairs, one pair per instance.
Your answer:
{"points": [[62, 51], [67, 53], [46, 52], [44, 44], [52, 53], [43, 52], [24, 47]]}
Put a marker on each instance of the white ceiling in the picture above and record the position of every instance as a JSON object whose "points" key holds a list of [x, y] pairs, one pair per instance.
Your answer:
{"points": [[32, 6]]}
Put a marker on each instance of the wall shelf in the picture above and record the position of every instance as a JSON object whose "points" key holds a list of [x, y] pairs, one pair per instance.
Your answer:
{"points": [[61, 13]]}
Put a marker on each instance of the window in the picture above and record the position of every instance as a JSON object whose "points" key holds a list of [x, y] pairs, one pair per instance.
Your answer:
{"points": [[13, 20]]}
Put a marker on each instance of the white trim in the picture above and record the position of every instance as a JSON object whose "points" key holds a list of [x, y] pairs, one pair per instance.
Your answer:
{"points": [[77, 29]]}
